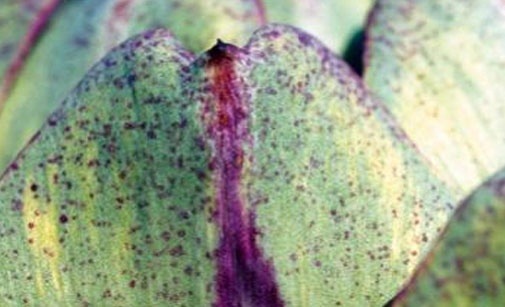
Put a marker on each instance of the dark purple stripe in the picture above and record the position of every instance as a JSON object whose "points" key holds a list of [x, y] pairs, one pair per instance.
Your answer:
{"points": [[244, 277], [25, 47], [261, 13]]}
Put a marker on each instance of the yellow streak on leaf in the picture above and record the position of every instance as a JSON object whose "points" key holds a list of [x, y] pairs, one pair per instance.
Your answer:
{"points": [[41, 222]]}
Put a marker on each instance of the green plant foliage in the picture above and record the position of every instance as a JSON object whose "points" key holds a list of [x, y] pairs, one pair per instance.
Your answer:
{"points": [[466, 267], [262, 175], [76, 34], [81, 32], [15, 19], [256, 175], [335, 22], [437, 66]]}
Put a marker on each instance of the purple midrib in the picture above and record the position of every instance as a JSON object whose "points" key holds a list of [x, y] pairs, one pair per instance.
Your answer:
{"points": [[244, 277]]}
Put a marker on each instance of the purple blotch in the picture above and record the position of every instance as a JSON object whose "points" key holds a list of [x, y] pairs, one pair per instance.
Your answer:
{"points": [[244, 277]]}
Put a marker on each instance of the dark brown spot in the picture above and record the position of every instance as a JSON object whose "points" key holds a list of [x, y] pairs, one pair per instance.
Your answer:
{"points": [[63, 219], [176, 251], [131, 284]]}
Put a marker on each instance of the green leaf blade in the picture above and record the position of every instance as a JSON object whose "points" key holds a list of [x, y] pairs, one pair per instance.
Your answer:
{"points": [[345, 213], [81, 32], [95, 224], [15, 20], [273, 160], [436, 65], [466, 266]]}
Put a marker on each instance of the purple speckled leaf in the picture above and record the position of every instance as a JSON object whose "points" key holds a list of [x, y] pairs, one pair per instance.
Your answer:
{"points": [[48, 45], [256, 176], [438, 66], [467, 265], [65, 38]]}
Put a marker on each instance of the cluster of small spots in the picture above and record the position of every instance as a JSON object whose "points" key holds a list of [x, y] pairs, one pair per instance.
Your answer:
{"points": [[123, 170], [346, 172], [466, 264], [107, 172]]}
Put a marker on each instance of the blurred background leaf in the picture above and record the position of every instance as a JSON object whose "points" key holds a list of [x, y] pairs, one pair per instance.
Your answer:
{"points": [[439, 66]]}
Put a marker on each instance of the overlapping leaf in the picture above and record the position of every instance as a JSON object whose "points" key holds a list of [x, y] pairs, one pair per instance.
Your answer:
{"points": [[467, 266], [119, 198], [16, 17], [163, 180], [81, 32], [438, 65], [335, 22]]}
